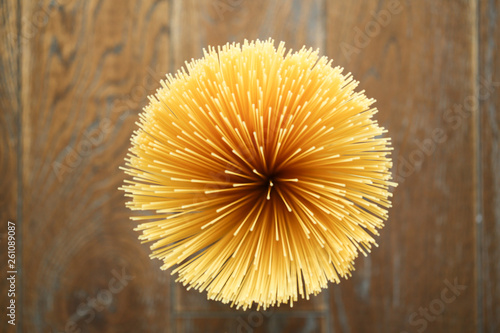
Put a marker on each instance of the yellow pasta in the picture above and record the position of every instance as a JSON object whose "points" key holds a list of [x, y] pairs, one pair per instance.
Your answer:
{"points": [[262, 174]]}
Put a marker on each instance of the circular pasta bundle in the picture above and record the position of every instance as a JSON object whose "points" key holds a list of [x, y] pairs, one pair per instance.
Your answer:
{"points": [[262, 172]]}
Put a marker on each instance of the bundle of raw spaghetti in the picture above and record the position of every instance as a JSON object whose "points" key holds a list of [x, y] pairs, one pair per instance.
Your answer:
{"points": [[263, 172]]}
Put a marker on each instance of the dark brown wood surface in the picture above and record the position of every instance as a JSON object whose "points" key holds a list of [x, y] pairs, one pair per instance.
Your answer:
{"points": [[10, 113], [417, 67], [488, 161], [75, 75]]}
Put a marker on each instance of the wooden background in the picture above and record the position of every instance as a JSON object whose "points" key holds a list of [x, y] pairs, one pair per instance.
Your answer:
{"points": [[75, 74]]}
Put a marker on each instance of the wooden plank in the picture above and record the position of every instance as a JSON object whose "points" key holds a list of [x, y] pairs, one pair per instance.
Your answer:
{"points": [[86, 72], [254, 322], [197, 24], [489, 206], [10, 111], [416, 60], [193, 300]]}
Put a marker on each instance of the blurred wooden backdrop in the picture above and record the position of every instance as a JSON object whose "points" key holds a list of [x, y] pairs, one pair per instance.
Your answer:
{"points": [[75, 74]]}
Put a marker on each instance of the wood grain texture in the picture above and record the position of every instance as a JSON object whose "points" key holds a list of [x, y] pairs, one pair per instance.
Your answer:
{"points": [[75, 75], [255, 323], [216, 22], [416, 61], [10, 112], [86, 70], [489, 118]]}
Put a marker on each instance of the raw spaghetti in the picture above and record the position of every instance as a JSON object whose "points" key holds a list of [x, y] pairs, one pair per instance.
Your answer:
{"points": [[262, 172]]}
